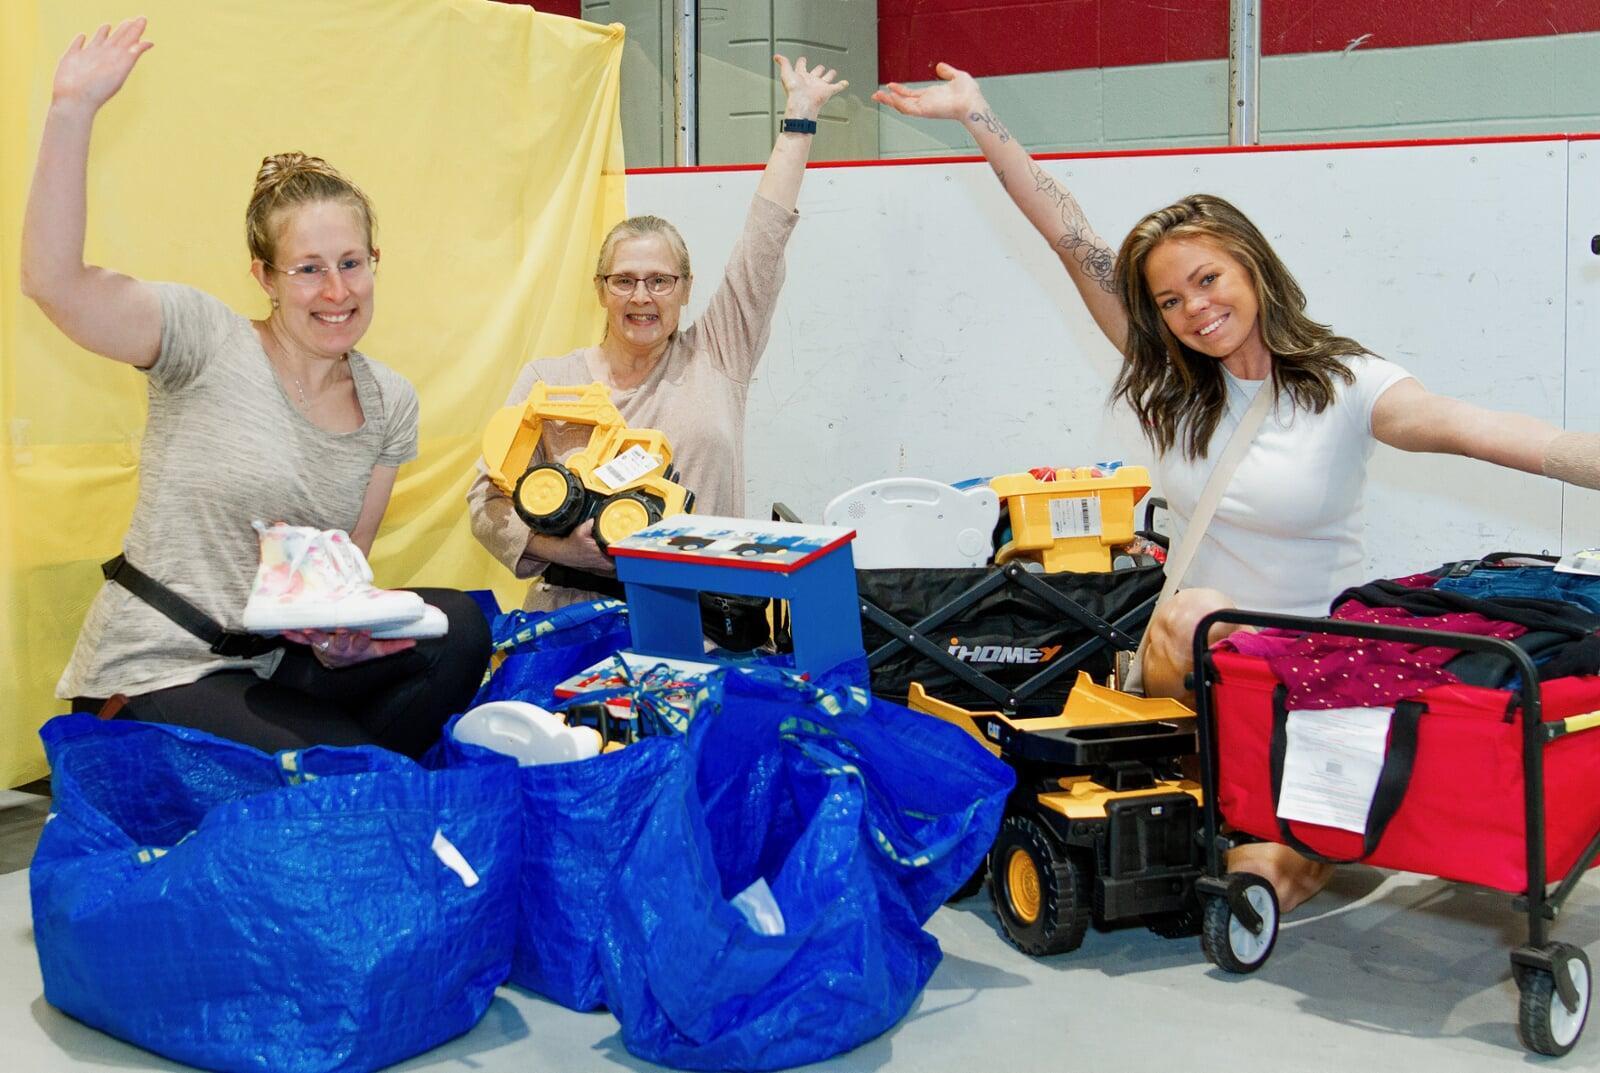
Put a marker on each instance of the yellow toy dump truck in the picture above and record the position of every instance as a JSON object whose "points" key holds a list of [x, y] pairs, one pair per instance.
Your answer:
{"points": [[1102, 826], [623, 478]]}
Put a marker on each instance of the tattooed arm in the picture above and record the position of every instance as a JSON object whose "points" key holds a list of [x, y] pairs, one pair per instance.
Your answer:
{"points": [[1048, 205]]}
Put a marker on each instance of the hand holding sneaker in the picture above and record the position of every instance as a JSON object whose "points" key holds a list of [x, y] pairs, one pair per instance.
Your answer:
{"points": [[346, 648]]}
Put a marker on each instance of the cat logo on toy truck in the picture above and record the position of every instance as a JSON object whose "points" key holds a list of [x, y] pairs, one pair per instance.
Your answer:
{"points": [[623, 478]]}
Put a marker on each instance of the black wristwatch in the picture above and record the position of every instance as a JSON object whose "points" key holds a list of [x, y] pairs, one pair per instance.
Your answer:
{"points": [[797, 126]]}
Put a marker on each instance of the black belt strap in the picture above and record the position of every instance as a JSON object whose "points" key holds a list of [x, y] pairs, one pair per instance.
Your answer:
{"points": [[233, 644], [572, 578]]}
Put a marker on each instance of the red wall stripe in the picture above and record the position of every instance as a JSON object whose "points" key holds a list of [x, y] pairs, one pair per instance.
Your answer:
{"points": [[1188, 150], [992, 37], [570, 8]]}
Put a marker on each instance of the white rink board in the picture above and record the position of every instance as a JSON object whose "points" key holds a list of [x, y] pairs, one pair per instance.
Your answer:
{"points": [[925, 330]]}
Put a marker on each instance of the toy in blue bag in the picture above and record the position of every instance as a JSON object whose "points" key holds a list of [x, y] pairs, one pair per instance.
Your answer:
{"points": [[330, 909], [765, 917], [580, 818]]}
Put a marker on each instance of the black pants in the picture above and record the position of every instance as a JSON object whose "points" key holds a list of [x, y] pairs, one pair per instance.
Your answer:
{"points": [[400, 702]]}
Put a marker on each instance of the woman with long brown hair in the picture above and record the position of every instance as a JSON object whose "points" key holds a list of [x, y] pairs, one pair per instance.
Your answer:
{"points": [[1206, 315]]}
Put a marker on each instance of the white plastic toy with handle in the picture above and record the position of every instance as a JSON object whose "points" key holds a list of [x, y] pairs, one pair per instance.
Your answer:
{"points": [[914, 522], [527, 732]]}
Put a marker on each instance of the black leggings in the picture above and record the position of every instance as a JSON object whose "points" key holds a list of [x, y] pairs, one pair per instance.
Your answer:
{"points": [[400, 702]]}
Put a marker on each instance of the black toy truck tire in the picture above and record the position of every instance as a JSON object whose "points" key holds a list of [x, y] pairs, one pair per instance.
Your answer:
{"points": [[648, 505], [1063, 880], [564, 518]]}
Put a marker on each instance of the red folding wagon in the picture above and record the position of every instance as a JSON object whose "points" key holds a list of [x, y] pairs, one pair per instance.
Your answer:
{"points": [[1495, 787]]}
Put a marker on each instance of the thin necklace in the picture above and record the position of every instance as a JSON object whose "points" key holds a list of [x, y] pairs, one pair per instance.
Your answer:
{"points": [[305, 403]]}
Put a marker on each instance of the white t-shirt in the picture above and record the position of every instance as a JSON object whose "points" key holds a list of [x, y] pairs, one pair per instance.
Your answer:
{"points": [[1287, 534]]}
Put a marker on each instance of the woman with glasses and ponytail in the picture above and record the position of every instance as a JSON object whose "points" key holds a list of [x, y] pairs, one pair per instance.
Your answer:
{"points": [[689, 381], [277, 419]]}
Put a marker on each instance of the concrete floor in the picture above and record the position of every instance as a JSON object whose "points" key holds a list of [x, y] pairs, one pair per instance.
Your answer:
{"points": [[21, 816], [1383, 972]]}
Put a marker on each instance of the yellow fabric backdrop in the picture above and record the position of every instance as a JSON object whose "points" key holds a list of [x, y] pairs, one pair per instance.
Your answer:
{"points": [[487, 136]]}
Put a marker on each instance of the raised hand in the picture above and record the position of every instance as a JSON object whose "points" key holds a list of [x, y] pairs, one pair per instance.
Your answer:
{"points": [[808, 89], [958, 97], [94, 68]]}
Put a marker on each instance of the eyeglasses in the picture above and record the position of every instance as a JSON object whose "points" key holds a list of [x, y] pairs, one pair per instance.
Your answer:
{"points": [[312, 275], [622, 285]]}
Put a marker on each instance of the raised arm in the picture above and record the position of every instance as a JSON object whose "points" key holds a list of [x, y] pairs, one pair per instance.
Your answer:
{"points": [[1048, 205], [100, 310], [808, 91], [1411, 418]]}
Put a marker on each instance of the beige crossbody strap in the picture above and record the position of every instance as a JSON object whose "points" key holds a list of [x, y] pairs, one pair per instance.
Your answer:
{"points": [[1180, 558]]}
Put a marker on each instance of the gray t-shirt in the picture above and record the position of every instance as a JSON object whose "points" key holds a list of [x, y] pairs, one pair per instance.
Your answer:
{"points": [[223, 446], [696, 394]]}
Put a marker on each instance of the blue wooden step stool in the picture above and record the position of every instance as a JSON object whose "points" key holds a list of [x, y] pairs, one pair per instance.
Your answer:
{"points": [[665, 568]]}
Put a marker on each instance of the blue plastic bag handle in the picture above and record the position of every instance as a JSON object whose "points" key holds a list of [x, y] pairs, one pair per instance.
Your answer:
{"points": [[564, 618], [836, 754], [814, 742]]}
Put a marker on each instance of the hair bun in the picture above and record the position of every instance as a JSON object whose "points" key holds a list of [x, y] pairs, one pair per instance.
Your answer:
{"points": [[281, 167], [285, 180]]}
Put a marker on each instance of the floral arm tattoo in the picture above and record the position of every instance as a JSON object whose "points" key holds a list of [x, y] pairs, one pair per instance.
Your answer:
{"points": [[1078, 242]]}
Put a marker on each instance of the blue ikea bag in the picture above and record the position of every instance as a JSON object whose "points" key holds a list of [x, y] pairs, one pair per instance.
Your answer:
{"points": [[772, 788], [319, 910], [578, 820], [535, 651]]}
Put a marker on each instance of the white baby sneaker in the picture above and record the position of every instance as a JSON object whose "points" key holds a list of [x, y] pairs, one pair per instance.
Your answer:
{"points": [[299, 586], [353, 566], [433, 623]]}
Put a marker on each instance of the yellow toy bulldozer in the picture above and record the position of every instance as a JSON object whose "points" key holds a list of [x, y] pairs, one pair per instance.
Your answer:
{"points": [[623, 478], [1102, 827]]}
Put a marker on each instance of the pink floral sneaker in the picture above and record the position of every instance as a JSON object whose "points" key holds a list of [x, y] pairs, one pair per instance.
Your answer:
{"points": [[299, 586]]}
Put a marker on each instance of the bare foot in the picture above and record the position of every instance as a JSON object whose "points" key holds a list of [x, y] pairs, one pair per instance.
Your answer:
{"points": [[1294, 878]]}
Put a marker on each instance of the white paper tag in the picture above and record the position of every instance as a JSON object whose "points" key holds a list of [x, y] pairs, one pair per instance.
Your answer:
{"points": [[1586, 561], [630, 465], [452, 859], [1331, 766], [760, 908], [1075, 517]]}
